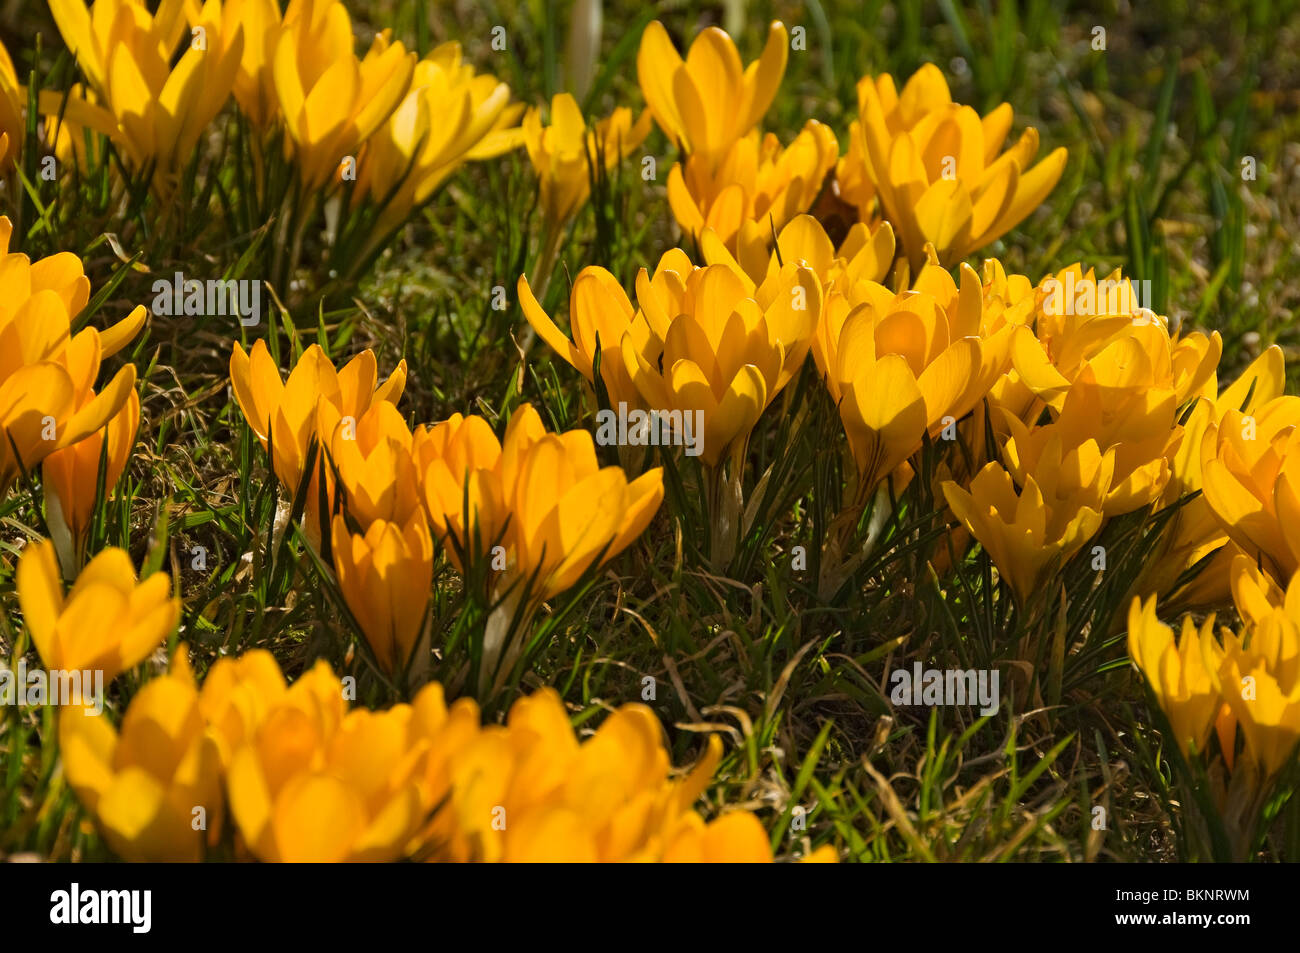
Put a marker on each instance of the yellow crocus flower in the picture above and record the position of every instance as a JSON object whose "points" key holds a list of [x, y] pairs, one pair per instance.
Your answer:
{"points": [[108, 621], [708, 101], [284, 412], [531, 792], [370, 460], [450, 116], [1180, 674], [1264, 700], [899, 366], [254, 85], [154, 787], [1259, 674], [734, 838], [543, 498], [565, 153], [722, 348], [308, 780], [1193, 532], [72, 110], [756, 186], [312, 782], [330, 100], [48, 400], [386, 577], [13, 104], [936, 170], [865, 254], [567, 511], [1034, 532], [1077, 316], [1125, 402], [50, 404], [601, 314], [126, 52], [456, 464], [71, 478], [1251, 480], [236, 695], [1257, 597]]}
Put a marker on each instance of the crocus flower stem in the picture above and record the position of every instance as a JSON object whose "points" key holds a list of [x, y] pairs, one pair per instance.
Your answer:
{"points": [[546, 258], [259, 164], [548, 254], [305, 211], [726, 504]]}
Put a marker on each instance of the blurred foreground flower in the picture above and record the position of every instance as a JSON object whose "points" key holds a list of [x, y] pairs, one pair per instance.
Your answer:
{"points": [[308, 780], [154, 787], [312, 782], [531, 792]]}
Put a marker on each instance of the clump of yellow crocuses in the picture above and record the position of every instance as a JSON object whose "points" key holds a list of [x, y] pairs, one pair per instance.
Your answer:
{"points": [[741, 185], [308, 778], [706, 344], [538, 505], [48, 400], [1093, 405], [1242, 685]]}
